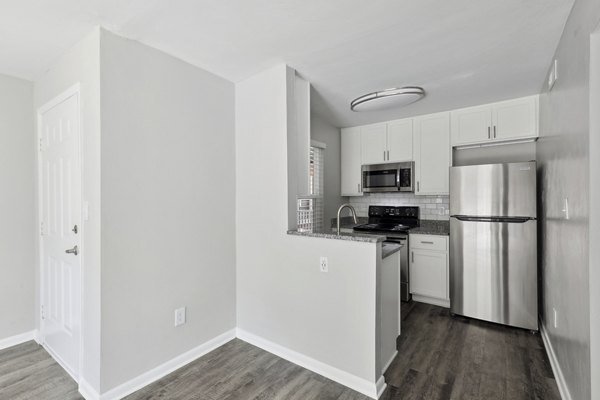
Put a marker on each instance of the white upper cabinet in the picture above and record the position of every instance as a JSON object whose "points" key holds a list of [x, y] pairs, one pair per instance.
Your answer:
{"points": [[387, 142], [351, 162], [471, 125], [432, 154], [374, 143], [428, 140], [515, 119], [400, 140], [498, 122]]}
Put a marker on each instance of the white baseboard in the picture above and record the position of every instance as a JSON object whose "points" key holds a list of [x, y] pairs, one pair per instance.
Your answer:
{"points": [[38, 337], [558, 375], [380, 386], [431, 300], [390, 361], [87, 391], [156, 373], [18, 339], [361, 385]]}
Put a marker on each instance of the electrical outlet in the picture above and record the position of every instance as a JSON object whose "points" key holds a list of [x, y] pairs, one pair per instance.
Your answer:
{"points": [[180, 316], [323, 264], [555, 317]]}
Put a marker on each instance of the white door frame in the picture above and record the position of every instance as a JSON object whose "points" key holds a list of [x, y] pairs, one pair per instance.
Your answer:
{"points": [[594, 224], [74, 90]]}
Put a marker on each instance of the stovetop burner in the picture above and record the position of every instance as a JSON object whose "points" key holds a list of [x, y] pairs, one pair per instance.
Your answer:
{"points": [[390, 219], [382, 227]]}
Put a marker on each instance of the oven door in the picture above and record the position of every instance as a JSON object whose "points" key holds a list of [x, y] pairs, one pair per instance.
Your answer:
{"points": [[380, 178]]}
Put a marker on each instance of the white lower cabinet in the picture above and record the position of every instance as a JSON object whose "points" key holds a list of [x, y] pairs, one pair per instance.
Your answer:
{"points": [[429, 269]]}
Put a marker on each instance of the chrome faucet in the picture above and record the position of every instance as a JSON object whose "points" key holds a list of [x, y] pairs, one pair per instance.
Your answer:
{"points": [[340, 210]]}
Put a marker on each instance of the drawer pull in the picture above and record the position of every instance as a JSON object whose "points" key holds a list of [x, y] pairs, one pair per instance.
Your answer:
{"points": [[426, 242]]}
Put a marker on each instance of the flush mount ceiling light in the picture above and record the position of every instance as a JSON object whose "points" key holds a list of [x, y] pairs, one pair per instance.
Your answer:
{"points": [[389, 98]]}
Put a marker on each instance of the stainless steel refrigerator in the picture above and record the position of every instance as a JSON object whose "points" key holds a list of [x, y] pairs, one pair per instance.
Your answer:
{"points": [[493, 236]]}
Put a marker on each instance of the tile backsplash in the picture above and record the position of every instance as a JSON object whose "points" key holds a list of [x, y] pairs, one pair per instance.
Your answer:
{"points": [[430, 207]]}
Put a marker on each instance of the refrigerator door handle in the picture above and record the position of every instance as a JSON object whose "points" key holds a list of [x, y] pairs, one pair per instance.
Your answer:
{"points": [[514, 220]]}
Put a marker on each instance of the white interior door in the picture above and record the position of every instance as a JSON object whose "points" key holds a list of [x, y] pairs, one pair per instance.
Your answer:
{"points": [[60, 208]]}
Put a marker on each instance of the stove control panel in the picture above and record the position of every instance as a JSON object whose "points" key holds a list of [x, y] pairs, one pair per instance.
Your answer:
{"points": [[388, 211]]}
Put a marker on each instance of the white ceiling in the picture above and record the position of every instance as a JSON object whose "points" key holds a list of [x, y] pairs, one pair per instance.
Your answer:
{"points": [[463, 52]]}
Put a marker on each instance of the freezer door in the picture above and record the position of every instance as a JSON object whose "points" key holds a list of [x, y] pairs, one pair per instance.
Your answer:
{"points": [[494, 190], [493, 271]]}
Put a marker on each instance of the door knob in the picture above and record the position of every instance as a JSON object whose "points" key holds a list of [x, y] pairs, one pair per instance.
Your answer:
{"points": [[74, 250]]}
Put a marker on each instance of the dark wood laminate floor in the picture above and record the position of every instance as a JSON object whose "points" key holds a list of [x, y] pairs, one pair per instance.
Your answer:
{"points": [[443, 357], [440, 357], [28, 372]]}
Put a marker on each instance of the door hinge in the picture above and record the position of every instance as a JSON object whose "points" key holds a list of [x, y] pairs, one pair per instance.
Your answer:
{"points": [[42, 228], [42, 312]]}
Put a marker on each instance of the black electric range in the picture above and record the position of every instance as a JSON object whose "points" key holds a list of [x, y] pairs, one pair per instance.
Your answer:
{"points": [[390, 220]]}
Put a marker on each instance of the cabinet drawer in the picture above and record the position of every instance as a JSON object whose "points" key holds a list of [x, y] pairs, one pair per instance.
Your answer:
{"points": [[429, 242]]}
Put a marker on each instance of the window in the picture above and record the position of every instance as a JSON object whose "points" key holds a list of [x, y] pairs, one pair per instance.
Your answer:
{"points": [[316, 184], [311, 208]]}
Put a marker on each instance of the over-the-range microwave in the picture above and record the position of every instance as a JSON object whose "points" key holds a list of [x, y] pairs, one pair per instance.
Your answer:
{"points": [[394, 177]]}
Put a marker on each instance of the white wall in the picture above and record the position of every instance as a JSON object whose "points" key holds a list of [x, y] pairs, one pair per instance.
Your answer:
{"points": [[81, 64], [594, 263], [281, 295], [17, 229], [168, 207], [298, 142], [564, 172], [324, 132]]}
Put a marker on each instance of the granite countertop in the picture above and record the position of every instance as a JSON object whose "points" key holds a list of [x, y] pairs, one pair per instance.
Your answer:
{"points": [[431, 227], [329, 234]]}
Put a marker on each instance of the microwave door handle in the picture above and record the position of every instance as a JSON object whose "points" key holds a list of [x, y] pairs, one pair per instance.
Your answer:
{"points": [[398, 179]]}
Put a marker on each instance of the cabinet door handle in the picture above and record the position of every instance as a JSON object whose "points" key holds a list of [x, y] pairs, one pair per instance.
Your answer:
{"points": [[489, 132], [388, 155], [418, 186], [424, 242], [494, 131], [359, 188], [412, 253]]}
